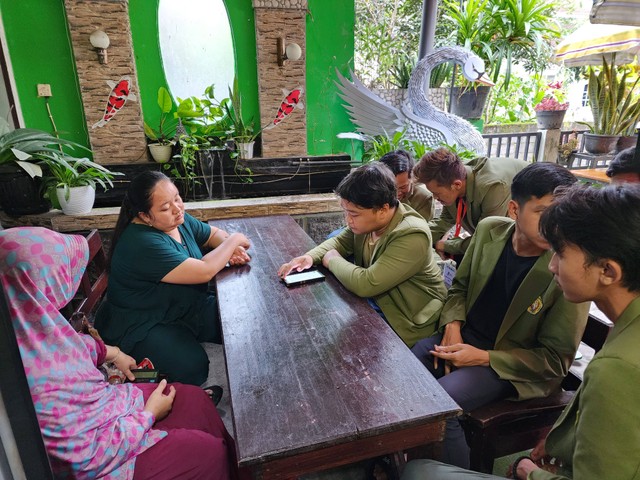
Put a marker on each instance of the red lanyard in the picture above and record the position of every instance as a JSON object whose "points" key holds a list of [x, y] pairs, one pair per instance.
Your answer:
{"points": [[462, 211]]}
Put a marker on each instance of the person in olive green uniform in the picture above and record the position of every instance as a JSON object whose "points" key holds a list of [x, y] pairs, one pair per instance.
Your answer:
{"points": [[395, 266], [468, 192], [158, 304], [506, 327], [596, 236], [410, 193]]}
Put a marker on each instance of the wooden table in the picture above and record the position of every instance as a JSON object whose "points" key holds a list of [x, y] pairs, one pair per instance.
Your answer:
{"points": [[317, 379], [594, 174]]}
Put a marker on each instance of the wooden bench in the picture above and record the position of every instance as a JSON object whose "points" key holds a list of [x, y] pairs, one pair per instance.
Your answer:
{"points": [[95, 279], [505, 427]]}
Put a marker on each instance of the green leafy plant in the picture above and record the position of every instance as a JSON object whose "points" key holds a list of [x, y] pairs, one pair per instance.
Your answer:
{"points": [[63, 171], [205, 118], [376, 147], [503, 32], [613, 98], [402, 69], [28, 148], [184, 166], [240, 130], [167, 126], [441, 73], [385, 30]]}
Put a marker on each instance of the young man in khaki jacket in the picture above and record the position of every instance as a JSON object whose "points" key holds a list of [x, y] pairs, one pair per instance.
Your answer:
{"points": [[506, 330], [394, 265], [468, 192]]}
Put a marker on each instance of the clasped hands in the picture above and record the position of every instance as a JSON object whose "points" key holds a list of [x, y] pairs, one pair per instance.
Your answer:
{"points": [[455, 352], [304, 262], [239, 255]]}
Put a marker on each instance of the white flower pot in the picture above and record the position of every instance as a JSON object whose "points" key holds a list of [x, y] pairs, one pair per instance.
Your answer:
{"points": [[245, 150], [80, 200], [160, 153]]}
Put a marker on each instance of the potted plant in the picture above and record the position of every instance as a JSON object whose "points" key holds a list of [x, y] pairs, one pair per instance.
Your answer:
{"points": [[499, 32], [551, 109], [565, 150], [162, 138], [70, 182], [243, 133], [615, 106], [207, 129], [22, 152]]}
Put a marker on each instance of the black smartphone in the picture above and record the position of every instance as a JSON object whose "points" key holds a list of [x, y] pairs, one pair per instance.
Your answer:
{"points": [[146, 375], [300, 278]]}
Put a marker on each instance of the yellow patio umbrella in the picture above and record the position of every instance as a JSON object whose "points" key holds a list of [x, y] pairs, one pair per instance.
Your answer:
{"points": [[591, 42]]}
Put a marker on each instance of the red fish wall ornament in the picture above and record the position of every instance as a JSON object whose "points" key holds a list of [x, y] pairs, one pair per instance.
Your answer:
{"points": [[290, 102], [120, 93]]}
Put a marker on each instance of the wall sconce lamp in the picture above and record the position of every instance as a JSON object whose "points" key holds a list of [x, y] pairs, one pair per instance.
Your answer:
{"points": [[100, 42], [291, 52]]}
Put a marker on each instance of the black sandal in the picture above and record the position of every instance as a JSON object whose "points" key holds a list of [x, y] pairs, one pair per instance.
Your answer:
{"points": [[214, 392]]}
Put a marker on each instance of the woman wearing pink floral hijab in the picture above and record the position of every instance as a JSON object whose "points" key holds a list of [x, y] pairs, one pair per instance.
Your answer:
{"points": [[91, 428]]}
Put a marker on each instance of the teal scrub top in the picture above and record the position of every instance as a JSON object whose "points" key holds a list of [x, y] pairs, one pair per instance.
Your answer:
{"points": [[137, 299]]}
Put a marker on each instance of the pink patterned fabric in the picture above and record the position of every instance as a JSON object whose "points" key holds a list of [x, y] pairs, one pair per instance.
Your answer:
{"points": [[90, 428]]}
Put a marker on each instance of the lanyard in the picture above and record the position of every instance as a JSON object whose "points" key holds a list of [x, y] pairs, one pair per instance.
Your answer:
{"points": [[462, 211]]}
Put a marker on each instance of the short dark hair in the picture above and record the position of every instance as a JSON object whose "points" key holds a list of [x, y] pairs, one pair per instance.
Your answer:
{"points": [[369, 186], [440, 165], [399, 161], [602, 222], [539, 179], [624, 162]]}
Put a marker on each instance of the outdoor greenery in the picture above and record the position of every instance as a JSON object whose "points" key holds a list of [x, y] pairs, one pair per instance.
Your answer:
{"points": [[376, 147], [386, 30], [504, 33]]}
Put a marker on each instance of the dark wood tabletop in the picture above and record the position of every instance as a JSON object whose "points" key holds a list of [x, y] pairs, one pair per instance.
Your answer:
{"points": [[317, 379]]}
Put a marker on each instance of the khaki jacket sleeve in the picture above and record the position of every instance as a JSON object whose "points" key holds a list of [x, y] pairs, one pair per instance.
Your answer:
{"points": [[395, 265], [457, 246], [441, 225], [558, 336], [606, 437], [343, 243]]}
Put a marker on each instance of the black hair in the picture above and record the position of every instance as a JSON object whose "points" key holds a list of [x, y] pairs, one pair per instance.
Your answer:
{"points": [[539, 179], [370, 186], [136, 199], [399, 161], [440, 165], [624, 162], [603, 223]]}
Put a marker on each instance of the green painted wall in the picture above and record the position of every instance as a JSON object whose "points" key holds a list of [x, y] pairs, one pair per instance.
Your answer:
{"points": [[40, 52], [330, 45], [144, 31]]}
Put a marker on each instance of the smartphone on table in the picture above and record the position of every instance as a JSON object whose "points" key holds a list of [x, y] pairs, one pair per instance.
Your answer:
{"points": [[304, 277]]}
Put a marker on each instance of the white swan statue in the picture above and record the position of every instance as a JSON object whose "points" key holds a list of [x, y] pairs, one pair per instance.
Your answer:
{"points": [[420, 119]]}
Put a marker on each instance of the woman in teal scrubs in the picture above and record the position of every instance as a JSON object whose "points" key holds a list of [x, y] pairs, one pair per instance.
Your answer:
{"points": [[158, 304]]}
